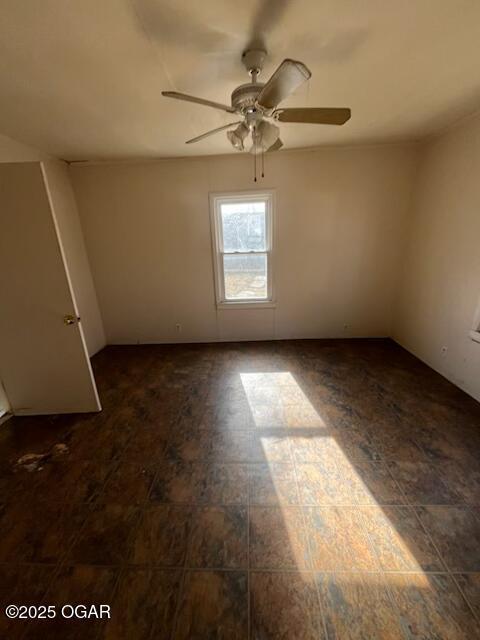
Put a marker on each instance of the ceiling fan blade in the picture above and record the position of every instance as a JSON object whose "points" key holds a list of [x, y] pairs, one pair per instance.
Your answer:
{"points": [[210, 133], [288, 77], [267, 16], [206, 103], [278, 144], [323, 115]]}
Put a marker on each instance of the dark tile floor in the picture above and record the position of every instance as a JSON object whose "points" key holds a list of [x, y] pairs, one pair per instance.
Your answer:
{"points": [[303, 489]]}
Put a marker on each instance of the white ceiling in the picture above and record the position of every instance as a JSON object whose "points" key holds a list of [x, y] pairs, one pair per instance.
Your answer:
{"points": [[81, 79]]}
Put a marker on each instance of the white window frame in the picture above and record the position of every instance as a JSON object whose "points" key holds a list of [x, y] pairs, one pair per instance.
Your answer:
{"points": [[475, 332], [216, 200]]}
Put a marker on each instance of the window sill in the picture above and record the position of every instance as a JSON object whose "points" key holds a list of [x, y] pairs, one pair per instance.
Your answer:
{"points": [[475, 335], [247, 305]]}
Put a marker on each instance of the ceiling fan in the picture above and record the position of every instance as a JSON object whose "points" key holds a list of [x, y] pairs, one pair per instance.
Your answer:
{"points": [[257, 104]]}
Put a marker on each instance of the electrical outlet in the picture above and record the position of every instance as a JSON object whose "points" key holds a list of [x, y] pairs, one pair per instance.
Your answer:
{"points": [[178, 327], [444, 351]]}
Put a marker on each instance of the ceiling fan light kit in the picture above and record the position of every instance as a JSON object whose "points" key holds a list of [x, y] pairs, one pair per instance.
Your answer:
{"points": [[257, 103], [238, 135]]}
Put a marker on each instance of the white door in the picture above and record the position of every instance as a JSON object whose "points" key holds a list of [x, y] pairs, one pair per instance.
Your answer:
{"points": [[44, 363], [4, 406]]}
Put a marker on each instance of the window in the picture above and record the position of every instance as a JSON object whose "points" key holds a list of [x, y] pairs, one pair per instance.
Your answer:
{"points": [[242, 232], [475, 332]]}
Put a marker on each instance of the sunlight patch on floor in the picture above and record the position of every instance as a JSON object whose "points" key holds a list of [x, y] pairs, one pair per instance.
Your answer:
{"points": [[330, 478], [276, 400]]}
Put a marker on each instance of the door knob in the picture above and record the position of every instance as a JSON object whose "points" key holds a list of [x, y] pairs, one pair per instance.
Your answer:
{"points": [[70, 319]]}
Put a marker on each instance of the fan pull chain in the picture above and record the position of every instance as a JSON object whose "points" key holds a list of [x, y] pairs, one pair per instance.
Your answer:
{"points": [[263, 156], [254, 155]]}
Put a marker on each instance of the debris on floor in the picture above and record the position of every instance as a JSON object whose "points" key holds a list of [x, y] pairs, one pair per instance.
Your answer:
{"points": [[31, 461], [59, 450], [35, 461]]}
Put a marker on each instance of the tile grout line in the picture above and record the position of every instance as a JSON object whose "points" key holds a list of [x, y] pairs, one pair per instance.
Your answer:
{"points": [[62, 562], [197, 506], [323, 621], [193, 513], [249, 594], [323, 505], [454, 578], [152, 502], [193, 510], [444, 562], [142, 507], [383, 573], [170, 567], [158, 464], [388, 588], [414, 508], [115, 589]]}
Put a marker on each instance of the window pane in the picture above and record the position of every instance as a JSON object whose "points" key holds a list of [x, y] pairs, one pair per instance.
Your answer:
{"points": [[243, 226], [245, 276]]}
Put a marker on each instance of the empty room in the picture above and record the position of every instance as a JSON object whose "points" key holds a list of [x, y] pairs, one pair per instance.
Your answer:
{"points": [[239, 320]]}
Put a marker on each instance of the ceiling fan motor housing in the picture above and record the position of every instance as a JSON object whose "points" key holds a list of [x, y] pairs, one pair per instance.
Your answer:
{"points": [[253, 60], [244, 96]]}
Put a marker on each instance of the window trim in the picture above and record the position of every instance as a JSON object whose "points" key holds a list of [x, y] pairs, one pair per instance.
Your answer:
{"points": [[475, 331], [475, 335], [216, 231]]}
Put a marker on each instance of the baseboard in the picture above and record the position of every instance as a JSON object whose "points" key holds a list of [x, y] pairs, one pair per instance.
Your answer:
{"points": [[430, 365], [130, 343], [46, 412]]}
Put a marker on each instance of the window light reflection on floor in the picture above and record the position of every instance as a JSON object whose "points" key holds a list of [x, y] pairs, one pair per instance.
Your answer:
{"points": [[276, 399], [328, 480]]}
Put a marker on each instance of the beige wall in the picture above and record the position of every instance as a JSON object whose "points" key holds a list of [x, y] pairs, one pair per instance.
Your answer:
{"points": [[340, 228], [440, 292], [66, 216], [14, 151]]}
